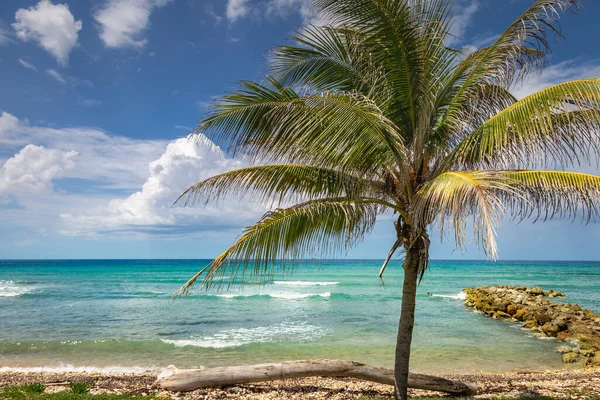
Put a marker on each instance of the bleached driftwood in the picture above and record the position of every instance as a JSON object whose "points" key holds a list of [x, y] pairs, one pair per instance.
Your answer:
{"points": [[185, 380]]}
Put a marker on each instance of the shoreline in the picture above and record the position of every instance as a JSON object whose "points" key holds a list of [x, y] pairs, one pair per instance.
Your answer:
{"points": [[573, 384]]}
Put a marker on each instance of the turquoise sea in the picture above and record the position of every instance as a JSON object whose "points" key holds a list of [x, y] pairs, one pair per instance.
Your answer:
{"points": [[117, 315]]}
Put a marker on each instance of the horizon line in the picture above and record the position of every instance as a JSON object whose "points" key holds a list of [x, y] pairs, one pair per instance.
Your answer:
{"points": [[301, 260]]}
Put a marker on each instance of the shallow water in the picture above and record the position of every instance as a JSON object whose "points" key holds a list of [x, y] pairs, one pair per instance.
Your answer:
{"points": [[117, 314]]}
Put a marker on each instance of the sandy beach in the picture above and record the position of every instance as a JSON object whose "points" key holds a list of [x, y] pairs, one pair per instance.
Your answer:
{"points": [[578, 384]]}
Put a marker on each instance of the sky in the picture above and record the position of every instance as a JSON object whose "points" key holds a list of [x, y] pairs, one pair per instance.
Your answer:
{"points": [[97, 98]]}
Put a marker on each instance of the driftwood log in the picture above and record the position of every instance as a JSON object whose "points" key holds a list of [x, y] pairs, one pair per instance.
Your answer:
{"points": [[185, 380]]}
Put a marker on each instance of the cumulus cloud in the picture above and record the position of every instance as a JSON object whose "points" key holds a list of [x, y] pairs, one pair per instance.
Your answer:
{"points": [[32, 170], [8, 123], [129, 184], [555, 74], [123, 22], [52, 26], [149, 210], [107, 161]]}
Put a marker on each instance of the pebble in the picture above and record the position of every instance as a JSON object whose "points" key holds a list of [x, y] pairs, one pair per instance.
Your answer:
{"points": [[572, 384]]}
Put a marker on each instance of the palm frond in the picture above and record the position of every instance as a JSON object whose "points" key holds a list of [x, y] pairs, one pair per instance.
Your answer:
{"points": [[523, 47], [345, 130], [489, 100], [551, 126], [555, 194], [325, 58], [394, 38], [282, 182], [453, 198], [519, 51], [313, 229]]}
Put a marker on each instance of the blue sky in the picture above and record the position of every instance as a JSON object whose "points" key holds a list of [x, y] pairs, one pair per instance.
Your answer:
{"points": [[97, 97]]}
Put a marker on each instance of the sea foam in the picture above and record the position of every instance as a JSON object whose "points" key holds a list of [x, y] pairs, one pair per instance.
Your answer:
{"points": [[304, 283], [13, 289], [459, 296], [241, 336], [275, 295]]}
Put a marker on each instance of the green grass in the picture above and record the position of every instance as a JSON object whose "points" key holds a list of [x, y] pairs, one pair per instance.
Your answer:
{"points": [[79, 387], [33, 388], [32, 392]]}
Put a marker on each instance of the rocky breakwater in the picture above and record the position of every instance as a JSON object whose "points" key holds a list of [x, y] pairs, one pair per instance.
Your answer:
{"points": [[545, 318]]}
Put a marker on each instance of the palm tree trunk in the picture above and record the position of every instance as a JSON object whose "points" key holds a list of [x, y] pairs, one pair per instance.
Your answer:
{"points": [[407, 320]]}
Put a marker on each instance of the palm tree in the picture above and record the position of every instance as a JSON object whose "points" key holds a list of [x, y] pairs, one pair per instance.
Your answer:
{"points": [[374, 113]]}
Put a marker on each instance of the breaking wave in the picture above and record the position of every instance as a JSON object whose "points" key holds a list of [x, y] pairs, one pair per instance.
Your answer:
{"points": [[241, 336]]}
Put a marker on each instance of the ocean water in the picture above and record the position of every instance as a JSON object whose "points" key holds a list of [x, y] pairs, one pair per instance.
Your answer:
{"points": [[117, 315]]}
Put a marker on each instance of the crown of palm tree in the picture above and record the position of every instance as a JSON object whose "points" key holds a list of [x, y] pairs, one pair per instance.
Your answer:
{"points": [[375, 113]]}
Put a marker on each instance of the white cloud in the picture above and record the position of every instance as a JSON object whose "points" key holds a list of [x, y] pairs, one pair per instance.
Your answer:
{"points": [[123, 22], [27, 65], [56, 75], [555, 74], [109, 162], [150, 211], [209, 10], [5, 37], [124, 186], [32, 170], [8, 123], [51, 25], [67, 79], [463, 16], [89, 102], [236, 9], [285, 8]]}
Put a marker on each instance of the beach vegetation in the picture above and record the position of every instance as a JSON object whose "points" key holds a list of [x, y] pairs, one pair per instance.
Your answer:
{"points": [[21, 393], [35, 387], [79, 387], [374, 113]]}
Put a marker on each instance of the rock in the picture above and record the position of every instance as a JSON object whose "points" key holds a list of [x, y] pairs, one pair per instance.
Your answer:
{"points": [[562, 322], [595, 360], [571, 357], [550, 329], [536, 291], [543, 317], [565, 349], [163, 395], [501, 314], [519, 314], [587, 352], [530, 324], [519, 299]]}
